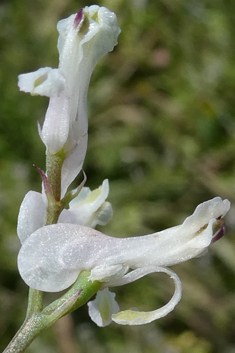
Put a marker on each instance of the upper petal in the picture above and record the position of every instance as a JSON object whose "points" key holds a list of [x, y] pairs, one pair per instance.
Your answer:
{"points": [[204, 212], [31, 215], [96, 34]]}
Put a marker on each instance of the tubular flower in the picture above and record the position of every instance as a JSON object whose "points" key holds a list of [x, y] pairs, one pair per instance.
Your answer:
{"points": [[89, 208], [83, 39], [52, 258]]}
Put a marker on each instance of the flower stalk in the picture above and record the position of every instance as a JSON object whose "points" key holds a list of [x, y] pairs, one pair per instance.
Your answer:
{"points": [[38, 319]]}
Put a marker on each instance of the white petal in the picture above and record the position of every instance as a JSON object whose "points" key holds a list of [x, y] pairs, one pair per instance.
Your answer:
{"points": [[67, 217], [102, 308], [48, 272], [45, 82], [133, 317], [204, 212], [100, 37], [55, 130], [73, 164], [31, 215], [106, 38]]}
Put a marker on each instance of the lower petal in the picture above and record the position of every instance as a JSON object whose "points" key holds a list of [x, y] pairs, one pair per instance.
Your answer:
{"points": [[133, 317]]}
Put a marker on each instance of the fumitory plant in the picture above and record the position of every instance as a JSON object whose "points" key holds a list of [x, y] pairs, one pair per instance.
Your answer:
{"points": [[60, 248]]}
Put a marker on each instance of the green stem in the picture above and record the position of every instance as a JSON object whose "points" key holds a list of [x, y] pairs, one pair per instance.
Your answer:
{"points": [[81, 291], [35, 302], [30, 329], [54, 163]]}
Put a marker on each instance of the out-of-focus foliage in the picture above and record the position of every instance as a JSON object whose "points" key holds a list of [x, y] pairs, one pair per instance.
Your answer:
{"points": [[162, 129]]}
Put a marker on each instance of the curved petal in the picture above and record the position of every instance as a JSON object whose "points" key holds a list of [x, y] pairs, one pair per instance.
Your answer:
{"points": [[101, 309], [133, 317], [45, 82], [31, 215]]}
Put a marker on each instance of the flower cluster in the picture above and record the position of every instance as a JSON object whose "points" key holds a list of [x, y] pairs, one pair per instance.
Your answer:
{"points": [[53, 256]]}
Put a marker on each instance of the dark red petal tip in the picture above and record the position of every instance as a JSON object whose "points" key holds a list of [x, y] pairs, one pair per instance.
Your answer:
{"points": [[219, 234], [78, 18]]}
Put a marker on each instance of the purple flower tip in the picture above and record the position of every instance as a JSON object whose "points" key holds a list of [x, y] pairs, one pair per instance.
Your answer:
{"points": [[78, 18], [219, 234]]}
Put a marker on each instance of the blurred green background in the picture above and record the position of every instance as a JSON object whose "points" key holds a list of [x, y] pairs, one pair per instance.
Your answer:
{"points": [[162, 130]]}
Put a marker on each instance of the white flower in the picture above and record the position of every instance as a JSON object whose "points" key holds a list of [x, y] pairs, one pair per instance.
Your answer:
{"points": [[84, 38], [89, 208], [53, 256]]}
